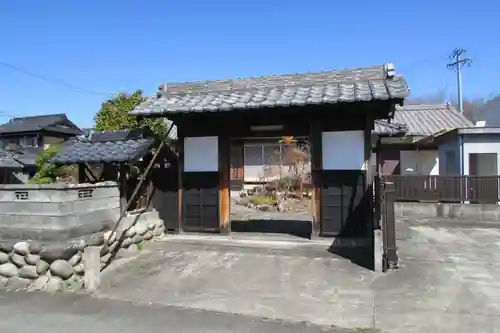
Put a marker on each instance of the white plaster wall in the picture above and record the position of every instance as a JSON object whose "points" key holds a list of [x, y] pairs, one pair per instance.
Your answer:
{"points": [[201, 154], [424, 162], [343, 150]]}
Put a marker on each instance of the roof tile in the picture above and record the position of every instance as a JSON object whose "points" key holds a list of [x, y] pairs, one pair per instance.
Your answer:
{"points": [[327, 87], [107, 147], [425, 119]]}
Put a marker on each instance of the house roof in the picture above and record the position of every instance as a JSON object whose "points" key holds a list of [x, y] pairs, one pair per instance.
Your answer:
{"points": [[425, 119], [326, 87], [27, 155], [8, 161], [105, 147], [53, 122]]}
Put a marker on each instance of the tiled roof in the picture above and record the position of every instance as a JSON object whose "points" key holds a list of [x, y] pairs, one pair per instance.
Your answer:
{"points": [[31, 124], [426, 119], [27, 155], [383, 127], [8, 161], [327, 87], [105, 147]]}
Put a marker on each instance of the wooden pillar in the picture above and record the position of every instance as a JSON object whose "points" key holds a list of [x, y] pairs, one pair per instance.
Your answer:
{"points": [[224, 143], [369, 176], [82, 175], [180, 172], [368, 149], [316, 176], [122, 183]]}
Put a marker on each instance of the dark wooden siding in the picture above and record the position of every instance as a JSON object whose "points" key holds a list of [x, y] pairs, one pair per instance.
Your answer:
{"points": [[165, 199], [200, 201], [389, 161], [345, 203]]}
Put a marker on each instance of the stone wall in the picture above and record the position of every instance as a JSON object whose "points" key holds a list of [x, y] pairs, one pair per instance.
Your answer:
{"points": [[44, 230], [59, 266]]}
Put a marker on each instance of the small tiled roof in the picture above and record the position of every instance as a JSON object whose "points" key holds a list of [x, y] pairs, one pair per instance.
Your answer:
{"points": [[426, 119], [383, 127], [27, 155], [327, 87], [105, 147], [38, 123], [8, 161]]}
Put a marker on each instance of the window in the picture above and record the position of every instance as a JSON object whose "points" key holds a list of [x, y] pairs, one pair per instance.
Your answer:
{"points": [[253, 155], [29, 141]]}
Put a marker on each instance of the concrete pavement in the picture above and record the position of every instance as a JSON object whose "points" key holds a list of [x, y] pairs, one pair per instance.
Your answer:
{"points": [[24, 312], [448, 280]]}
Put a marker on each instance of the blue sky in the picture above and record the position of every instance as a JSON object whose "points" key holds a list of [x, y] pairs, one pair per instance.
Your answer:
{"points": [[108, 46]]}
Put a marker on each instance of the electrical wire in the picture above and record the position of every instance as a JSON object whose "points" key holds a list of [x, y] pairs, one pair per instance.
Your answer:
{"points": [[51, 80]]}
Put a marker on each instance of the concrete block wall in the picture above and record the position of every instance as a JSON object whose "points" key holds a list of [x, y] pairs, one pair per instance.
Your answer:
{"points": [[57, 211], [454, 211]]}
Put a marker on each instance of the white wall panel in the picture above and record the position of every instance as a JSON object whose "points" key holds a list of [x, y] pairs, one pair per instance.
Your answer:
{"points": [[343, 150], [201, 154]]}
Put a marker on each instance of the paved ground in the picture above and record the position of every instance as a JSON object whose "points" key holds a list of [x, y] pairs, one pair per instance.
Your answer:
{"points": [[449, 280], [70, 313], [294, 281]]}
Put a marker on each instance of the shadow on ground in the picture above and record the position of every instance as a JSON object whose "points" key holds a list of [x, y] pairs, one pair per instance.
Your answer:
{"points": [[297, 228]]}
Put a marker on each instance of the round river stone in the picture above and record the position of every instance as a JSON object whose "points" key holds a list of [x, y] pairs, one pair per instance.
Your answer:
{"points": [[22, 248], [62, 269]]}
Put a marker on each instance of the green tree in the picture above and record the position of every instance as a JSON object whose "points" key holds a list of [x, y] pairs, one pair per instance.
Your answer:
{"points": [[114, 115], [47, 172]]}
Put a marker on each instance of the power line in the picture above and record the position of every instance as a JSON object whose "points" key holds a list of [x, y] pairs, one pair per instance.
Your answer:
{"points": [[51, 80], [419, 63], [457, 63]]}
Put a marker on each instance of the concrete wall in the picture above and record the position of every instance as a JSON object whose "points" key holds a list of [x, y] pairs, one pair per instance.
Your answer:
{"points": [[470, 212], [57, 211]]}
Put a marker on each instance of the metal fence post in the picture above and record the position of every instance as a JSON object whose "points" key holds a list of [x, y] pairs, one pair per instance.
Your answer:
{"points": [[389, 226]]}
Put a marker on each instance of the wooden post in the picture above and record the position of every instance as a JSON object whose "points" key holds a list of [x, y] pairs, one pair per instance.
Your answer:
{"points": [[180, 173], [368, 198], [82, 176], [316, 176], [122, 183], [224, 184]]}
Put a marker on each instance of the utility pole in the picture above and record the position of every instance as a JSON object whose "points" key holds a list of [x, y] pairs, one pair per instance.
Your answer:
{"points": [[457, 63]]}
